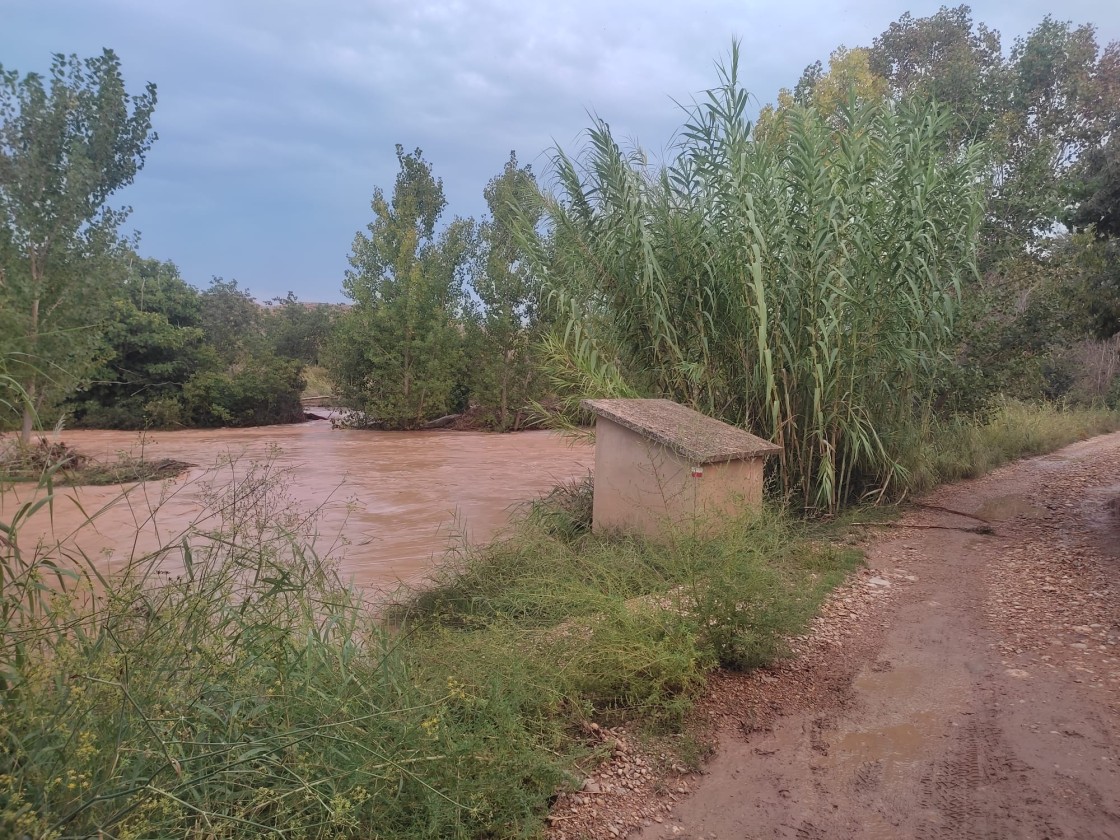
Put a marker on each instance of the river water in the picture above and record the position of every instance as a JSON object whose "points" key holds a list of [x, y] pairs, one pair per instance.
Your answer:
{"points": [[385, 503]]}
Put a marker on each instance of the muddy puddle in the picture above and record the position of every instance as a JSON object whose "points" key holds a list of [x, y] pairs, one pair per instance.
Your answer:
{"points": [[1102, 508], [890, 748], [1003, 508], [384, 503], [902, 738]]}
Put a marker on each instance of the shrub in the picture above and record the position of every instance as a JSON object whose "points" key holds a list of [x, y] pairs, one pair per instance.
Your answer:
{"points": [[261, 391]]}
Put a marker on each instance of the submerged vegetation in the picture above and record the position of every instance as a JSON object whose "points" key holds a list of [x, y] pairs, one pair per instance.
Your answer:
{"points": [[63, 465]]}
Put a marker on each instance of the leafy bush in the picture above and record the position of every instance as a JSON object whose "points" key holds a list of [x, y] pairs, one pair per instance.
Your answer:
{"points": [[634, 623], [250, 692], [263, 390]]}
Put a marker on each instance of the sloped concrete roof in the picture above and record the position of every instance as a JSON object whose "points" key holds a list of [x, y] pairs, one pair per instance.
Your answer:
{"points": [[694, 436]]}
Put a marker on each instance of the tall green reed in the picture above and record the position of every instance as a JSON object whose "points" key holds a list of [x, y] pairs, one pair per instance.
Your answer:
{"points": [[801, 281]]}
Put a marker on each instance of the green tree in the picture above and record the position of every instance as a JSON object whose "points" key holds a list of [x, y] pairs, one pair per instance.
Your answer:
{"points": [[945, 57], [259, 390], [249, 385], [1099, 208], [231, 318], [1038, 111], [397, 355], [503, 336], [297, 330], [849, 78], [66, 146], [154, 344]]}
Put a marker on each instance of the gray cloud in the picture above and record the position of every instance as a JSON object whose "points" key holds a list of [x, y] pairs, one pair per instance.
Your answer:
{"points": [[278, 118]]}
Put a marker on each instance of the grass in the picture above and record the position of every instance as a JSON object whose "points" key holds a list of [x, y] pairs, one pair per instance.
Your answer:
{"points": [[254, 693], [799, 278], [969, 447], [630, 625], [318, 382]]}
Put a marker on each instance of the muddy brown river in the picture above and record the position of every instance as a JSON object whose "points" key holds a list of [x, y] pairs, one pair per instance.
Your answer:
{"points": [[387, 504]]}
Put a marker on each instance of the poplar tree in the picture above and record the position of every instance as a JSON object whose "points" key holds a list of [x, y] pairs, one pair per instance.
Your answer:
{"points": [[398, 353], [507, 328], [67, 144]]}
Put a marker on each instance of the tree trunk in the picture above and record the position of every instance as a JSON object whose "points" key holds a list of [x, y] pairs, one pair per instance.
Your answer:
{"points": [[29, 389], [28, 424]]}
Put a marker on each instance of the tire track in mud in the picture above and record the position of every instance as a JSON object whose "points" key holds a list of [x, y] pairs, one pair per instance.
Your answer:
{"points": [[987, 706]]}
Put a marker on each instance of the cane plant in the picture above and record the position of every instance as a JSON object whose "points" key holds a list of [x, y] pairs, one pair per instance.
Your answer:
{"points": [[800, 281]]}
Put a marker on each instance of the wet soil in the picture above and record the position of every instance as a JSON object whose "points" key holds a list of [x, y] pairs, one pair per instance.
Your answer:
{"points": [[964, 686]]}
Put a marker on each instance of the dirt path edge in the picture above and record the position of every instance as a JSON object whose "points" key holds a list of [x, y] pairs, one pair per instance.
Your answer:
{"points": [[963, 685]]}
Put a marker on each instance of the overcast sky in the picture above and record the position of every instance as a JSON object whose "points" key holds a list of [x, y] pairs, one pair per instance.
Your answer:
{"points": [[277, 118]]}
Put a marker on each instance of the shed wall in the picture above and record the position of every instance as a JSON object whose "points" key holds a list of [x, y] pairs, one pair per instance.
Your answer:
{"points": [[641, 485]]}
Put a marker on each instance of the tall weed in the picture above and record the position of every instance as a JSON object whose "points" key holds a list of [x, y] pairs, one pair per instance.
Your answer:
{"points": [[253, 693], [800, 282], [967, 447]]}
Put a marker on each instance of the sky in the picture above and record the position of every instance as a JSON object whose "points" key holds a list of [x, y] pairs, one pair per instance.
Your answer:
{"points": [[277, 118]]}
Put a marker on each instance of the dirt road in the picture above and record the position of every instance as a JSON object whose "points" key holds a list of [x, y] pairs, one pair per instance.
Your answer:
{"points": [[976, 694]]}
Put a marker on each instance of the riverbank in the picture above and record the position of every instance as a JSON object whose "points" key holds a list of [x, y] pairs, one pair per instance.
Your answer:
{"points": [[61, 464], [297, 707], [253, 691]]}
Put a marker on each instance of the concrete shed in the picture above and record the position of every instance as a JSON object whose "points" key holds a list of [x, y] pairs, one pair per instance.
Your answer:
{"points": [[658, 462]]}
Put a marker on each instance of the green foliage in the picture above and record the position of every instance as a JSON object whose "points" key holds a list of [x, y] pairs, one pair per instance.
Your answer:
{"points": [[1099, 292], [963, 447], [1041, 111], [946, 58], [849, 74], [153, 344], [503, 334], [251, 692], [631, 623], [247, 384], [1022, 320], [231, 319], [172, 356], [254, 693], [397, 354], [1100, 171], [299, 331], [65, 149], [259, 390], [802, 284]]}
